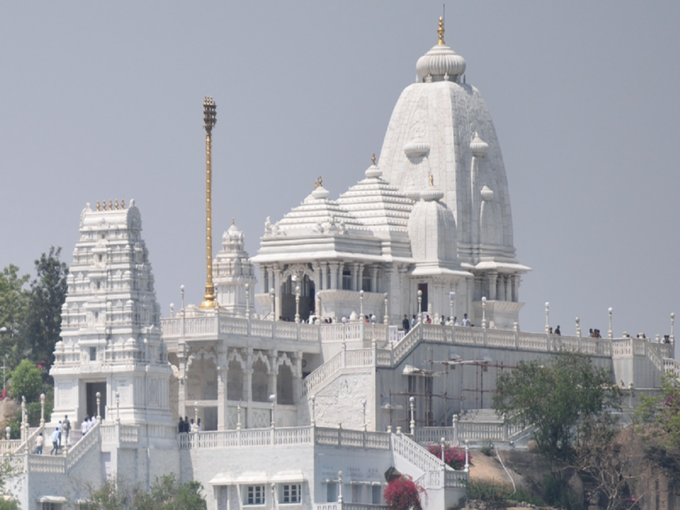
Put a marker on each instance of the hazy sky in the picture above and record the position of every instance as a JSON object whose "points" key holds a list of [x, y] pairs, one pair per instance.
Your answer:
{"points": [[103, 100]]}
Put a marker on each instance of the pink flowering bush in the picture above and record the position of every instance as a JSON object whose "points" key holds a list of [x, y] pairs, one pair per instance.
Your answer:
{"points": [[403, 494], [454, 456]]}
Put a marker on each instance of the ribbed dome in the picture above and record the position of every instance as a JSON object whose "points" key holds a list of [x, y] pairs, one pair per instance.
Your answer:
{"points": [[441, 60], [431, 193], [416, 148]]}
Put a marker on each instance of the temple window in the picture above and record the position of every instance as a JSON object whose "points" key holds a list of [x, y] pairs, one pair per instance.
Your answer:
{"points": [[284, 385], [260, 391]]}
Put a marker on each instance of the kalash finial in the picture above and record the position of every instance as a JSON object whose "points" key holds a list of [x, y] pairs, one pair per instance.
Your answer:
{"points": [[431, 180], [373, 159], [233, 223], [441, 32]]}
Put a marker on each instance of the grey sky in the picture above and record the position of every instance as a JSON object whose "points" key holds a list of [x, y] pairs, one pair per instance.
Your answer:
{"points": [[103, 100]]}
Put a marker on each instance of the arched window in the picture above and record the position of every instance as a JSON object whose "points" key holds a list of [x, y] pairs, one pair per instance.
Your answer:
{"points": [[235, 381], [260, 383], [284, 385]]}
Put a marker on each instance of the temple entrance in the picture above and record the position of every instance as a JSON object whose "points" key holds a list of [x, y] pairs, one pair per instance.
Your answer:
{"points": [[91, 390], [307, 301]]}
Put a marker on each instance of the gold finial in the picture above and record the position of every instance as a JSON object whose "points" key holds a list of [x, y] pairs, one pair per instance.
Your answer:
{"points": [[209, 118], [431, 180], [232, 221], [441, 32], [373, 159], [97, 204], [122, 204], [320, 182], [103, 205], [110, 206], [116, 204], [316, 184]]}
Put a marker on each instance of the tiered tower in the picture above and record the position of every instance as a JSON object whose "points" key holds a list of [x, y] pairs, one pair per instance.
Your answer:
{"points": [[234, 275], [111, 348]]}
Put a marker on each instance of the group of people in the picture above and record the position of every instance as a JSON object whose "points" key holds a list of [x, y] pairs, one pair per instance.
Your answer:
{"points": [[185, 425], [61, 431], [406, 325]]}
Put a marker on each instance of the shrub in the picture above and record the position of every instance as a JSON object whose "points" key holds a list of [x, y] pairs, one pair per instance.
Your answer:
{"points": [[26, 382], [403, 494], [487, 449], [454, 456]]}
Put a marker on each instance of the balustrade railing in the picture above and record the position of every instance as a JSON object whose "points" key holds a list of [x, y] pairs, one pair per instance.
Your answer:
{"points": [[286, 436]]}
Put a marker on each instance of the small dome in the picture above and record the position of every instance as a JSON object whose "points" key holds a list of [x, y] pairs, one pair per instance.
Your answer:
{"points": [[413, 195], [373, 172], [416, 148], [478, 146], [320, 193], [431, 193], [487, 194], [440, 61]]}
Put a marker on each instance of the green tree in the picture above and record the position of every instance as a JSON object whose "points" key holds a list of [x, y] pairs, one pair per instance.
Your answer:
{"points": [[166, 493], [659, 417], [14, 301], [560, 396], [43, 319], [26, 382]]}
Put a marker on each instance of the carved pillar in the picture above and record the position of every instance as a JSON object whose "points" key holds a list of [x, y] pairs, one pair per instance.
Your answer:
{"points": [[515, 288], [317, 277], [507, 280], [334, 274], [374, 277], [493, 277], [182, 392], [360, 277], [273, 372], [297, 378], [222, 368], [277, 292]]}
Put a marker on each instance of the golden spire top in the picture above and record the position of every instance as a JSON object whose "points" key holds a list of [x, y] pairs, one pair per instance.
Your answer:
{"points": [[373, 159], [440, 31], [320, 182], [122, 204], [431, 180], [233, 222], [116, 204]]}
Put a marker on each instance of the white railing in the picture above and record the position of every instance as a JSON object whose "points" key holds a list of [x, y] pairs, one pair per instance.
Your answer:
{"points": [[287, 436], [323, 373], [10, 446], [671, 366], [86, 443], [415, 454], [63, 463]]}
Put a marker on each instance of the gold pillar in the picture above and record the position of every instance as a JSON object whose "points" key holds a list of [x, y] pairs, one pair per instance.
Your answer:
{"points": [[210, 118]]}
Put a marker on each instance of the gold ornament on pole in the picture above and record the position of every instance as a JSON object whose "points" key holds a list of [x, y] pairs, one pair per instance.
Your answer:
{"points": [[210, 119]]}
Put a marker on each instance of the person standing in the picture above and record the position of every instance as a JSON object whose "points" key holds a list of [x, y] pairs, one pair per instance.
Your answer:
{"points": [[66, 429], [405, 324], [59, 432], [83, 426], [55, 441], [39, 444]]}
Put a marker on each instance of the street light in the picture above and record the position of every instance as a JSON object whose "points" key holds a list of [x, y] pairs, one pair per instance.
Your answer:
{"points": [[99, 399], [313, 420], [452, 303], [8, 431], [271, 298], [483, 312], [272, 399], [610, 333], [247, 301], [361, 305], [363, 405], [547, 317], [297, 304]]}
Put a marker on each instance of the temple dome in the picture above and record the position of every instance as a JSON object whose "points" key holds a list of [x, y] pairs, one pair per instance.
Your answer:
{"points": [[441, 61]]}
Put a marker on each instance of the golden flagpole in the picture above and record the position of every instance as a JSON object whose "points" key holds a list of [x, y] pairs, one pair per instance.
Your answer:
{"points": [[210, 119]]}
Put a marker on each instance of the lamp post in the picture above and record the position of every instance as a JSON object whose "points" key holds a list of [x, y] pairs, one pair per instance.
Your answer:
{"points": [[363, 405], [578, 326], [483, 311], [196, 414], [297, 304], [99, 400], [313, 420], [271, 298], [387, 317], [117, 407], [452, 304], [42, 410], [8, 431], [420, 306], [442, 441], [610, 333], [238, 423], [547, 317], [181, 288], [339, 486], [247, 301], [272, 399], [172, 310], [412, 424], [361, 305], [672, 328], [467, 457], [210, 119]]}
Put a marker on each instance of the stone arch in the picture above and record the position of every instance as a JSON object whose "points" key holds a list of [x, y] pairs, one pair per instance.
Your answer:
{"points": [[260, 378], [202, 376], [284, 382]]}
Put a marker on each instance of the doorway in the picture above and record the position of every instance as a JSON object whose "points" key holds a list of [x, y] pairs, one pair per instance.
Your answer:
{"points": [[423, 288], [91, 398]]}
